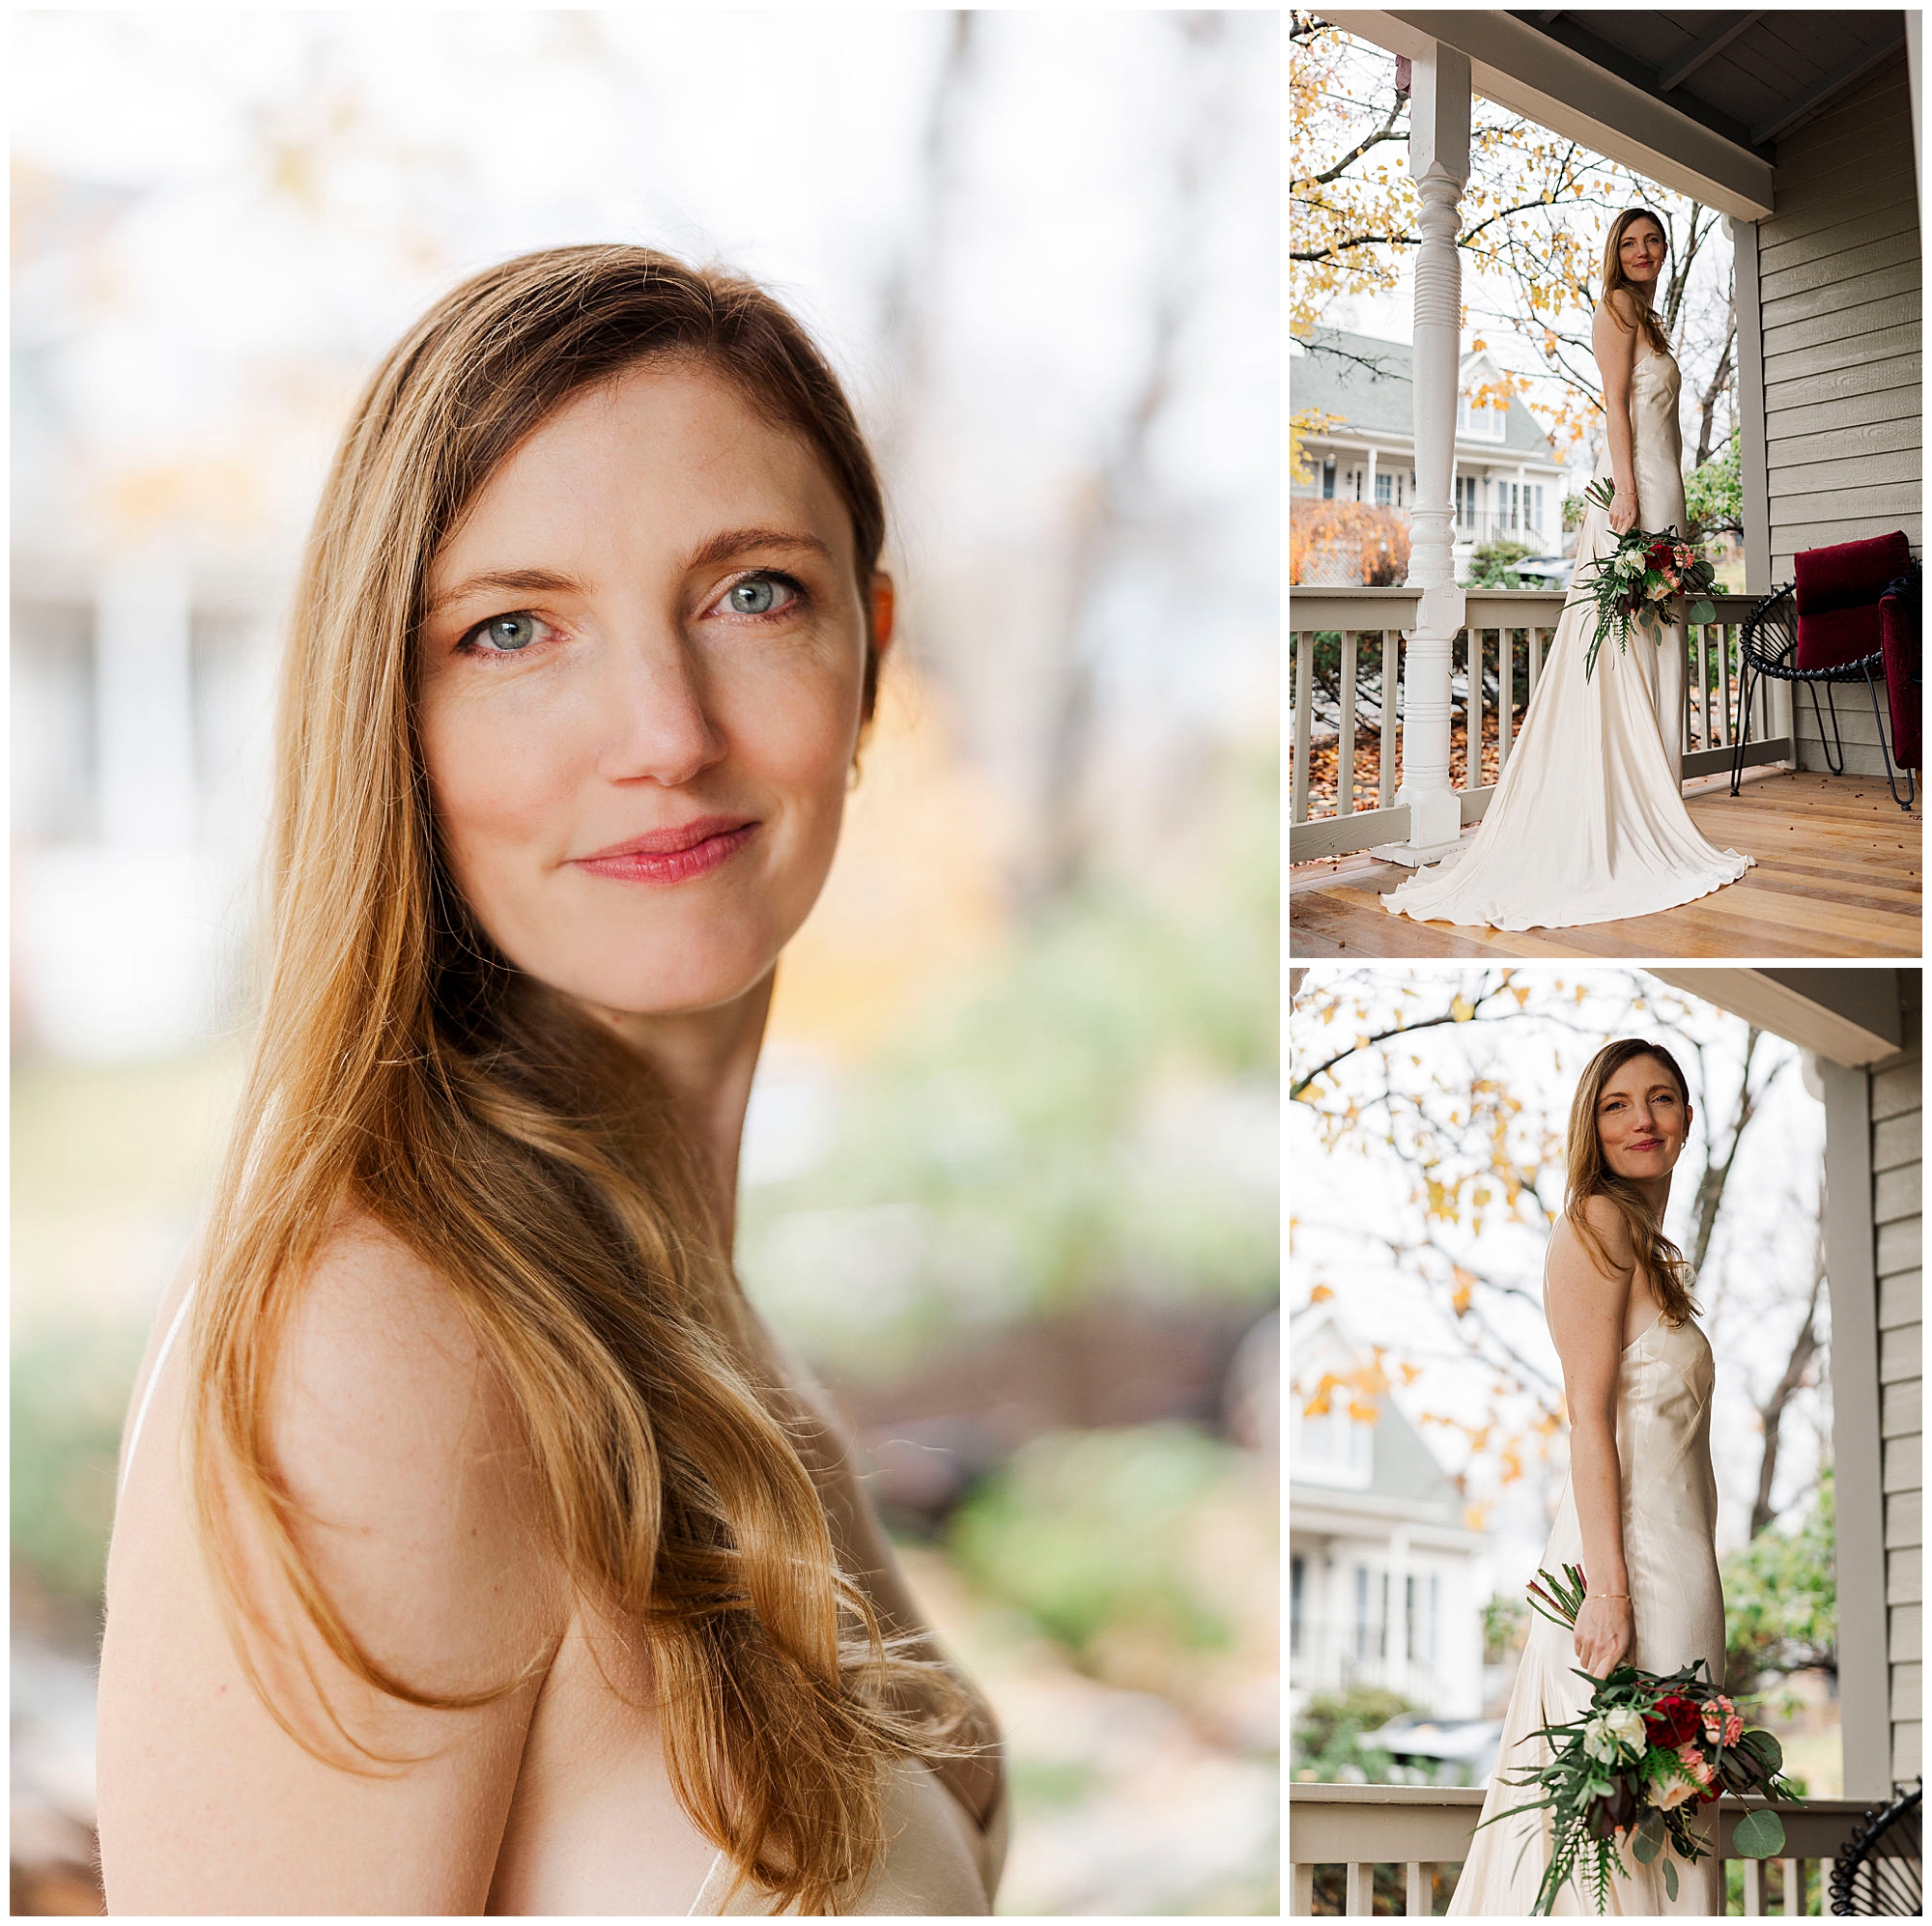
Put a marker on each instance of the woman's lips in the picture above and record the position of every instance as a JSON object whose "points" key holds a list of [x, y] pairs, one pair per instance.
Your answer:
{"points": [[1648, 1144], [671, 856]]}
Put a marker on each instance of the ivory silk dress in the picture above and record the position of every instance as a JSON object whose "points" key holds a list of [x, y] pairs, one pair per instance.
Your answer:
{"points": [[1670, 1525], [1587, 823]]}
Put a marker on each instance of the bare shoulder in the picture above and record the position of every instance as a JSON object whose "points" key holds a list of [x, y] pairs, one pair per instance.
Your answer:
{"points": [[397, 1434], [1572, 1260], [1618, 306]]}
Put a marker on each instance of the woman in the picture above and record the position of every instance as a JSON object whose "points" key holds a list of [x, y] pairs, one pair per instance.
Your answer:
{"points": [[1587, 823], [1639, 1513], [479, 1550]]}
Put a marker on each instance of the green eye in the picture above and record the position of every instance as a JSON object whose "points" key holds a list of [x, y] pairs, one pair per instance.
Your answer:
{"points": [[509, 633]]}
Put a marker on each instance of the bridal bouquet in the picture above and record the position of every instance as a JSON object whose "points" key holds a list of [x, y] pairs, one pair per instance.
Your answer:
{"points": [[1638, 575], [1648, 1750]]}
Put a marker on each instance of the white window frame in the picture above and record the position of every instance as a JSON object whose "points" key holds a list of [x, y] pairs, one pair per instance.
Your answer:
{"points": [[1334, 1449], [1480, 424]]}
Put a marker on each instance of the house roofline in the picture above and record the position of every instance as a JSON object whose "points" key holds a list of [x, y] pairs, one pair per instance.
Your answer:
{"points": [[1327, 1511]]}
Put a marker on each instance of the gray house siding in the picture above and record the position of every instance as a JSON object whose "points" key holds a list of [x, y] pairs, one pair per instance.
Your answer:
{"points": [[1896, 1102], [1872, 1248], [1838, 286]]}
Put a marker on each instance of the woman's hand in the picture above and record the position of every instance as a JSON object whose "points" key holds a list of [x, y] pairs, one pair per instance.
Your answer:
{"points": [[1623, 512], [1606, 1631]]}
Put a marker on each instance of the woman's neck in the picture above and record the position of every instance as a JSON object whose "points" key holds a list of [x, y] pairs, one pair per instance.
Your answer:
{"points": [[708, 1059]]}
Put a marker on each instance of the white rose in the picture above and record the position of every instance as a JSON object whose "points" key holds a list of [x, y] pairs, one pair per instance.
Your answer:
{"points": [[1673, 1791], [1600, 1742], [1627, 1725]]}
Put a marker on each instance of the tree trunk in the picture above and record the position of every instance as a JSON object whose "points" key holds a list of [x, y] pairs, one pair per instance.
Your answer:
{"points": [[1721, 379], [1772, 1411]]}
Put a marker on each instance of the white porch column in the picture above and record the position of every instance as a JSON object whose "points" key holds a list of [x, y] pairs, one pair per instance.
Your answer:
{"points": [[143, 707], [1438, 160], [1369, 495]]}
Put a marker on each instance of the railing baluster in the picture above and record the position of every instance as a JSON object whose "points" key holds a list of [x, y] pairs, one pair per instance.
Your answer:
{"points": [[1535, 660], [1753, 1888], [1418, 1890], [1391, 684], [1505, 653], [1344, 743], [1701, 706], [1301, 1891], [1361, 1888], [1472, 720], [1304, 676], [1794, 1889]]}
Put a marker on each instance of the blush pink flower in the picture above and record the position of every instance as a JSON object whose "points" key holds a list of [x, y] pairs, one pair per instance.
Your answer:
{"points": [[1721, 1721]]}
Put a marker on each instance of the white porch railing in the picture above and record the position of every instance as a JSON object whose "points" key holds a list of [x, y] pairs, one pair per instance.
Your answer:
{"points": [[1384, 616], [1420, 1827]]}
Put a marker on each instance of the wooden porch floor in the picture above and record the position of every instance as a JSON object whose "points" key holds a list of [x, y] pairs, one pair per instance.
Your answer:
{"points": [[1838, 875]]}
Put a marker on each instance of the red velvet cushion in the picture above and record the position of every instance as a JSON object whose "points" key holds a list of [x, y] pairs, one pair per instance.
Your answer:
{"points": [[1900, 619], [1837, 637], [1848, 574]]}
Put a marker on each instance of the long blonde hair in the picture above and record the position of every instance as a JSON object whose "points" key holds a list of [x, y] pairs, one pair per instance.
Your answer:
{"points": [[1658, 1262], [404, 1069], [1615, 280]]}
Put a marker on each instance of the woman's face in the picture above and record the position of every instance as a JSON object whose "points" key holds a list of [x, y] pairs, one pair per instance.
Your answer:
{"points": [[1641, 249], [1642, 1123], [641, 684]]}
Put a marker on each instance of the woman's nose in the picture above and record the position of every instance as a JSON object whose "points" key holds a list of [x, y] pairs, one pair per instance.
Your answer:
{"points": [[658, 727]]}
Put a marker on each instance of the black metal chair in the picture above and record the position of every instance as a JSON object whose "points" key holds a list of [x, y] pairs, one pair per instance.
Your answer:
{"points": [[1877, 1872], [1768, 646]]}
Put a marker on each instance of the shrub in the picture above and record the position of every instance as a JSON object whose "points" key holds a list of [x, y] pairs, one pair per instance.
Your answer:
{"points": [[1370, 542], [1327, 1736], [1493, 564]]}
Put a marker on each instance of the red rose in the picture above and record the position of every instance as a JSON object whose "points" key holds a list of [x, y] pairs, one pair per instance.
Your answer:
{"points": [[1673, 1721]]}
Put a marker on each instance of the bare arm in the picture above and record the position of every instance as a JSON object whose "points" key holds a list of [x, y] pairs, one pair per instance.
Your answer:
{"points": [[1587, 1306], [1614, 345], [384, 1422]]}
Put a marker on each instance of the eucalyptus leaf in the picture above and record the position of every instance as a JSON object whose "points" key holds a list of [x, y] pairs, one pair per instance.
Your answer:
{"points": [[1647, 1845], [1670, 1879], [1760, 1836], [1764, 1747], [1702, 612]]}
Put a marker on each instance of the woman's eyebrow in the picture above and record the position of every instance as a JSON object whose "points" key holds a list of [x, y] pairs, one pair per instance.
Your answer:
{"points": [[735, 542], [508, 581]]}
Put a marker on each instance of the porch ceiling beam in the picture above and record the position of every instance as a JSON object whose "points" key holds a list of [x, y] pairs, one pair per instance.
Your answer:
{"points": [[1528, 72], [1847, 1016], [1842, 78], [1707, 48]]}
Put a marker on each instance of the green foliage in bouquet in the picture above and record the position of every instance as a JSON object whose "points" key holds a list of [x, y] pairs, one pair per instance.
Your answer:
{"points": [[1635, 580], [1649, 1746]]}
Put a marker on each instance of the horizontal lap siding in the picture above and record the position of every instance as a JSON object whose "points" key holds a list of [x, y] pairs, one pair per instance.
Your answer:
{"points": [[1896, 1107], [1838, 265]]}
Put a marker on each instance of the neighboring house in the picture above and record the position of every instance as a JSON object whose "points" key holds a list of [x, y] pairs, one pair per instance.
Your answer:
{"points": [[1386, 1584], [1507, 482], [141, 699], [1861, 1028]]}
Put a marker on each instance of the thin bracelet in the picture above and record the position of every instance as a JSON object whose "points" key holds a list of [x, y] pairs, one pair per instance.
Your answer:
{"points": [[1606, 1594]]}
